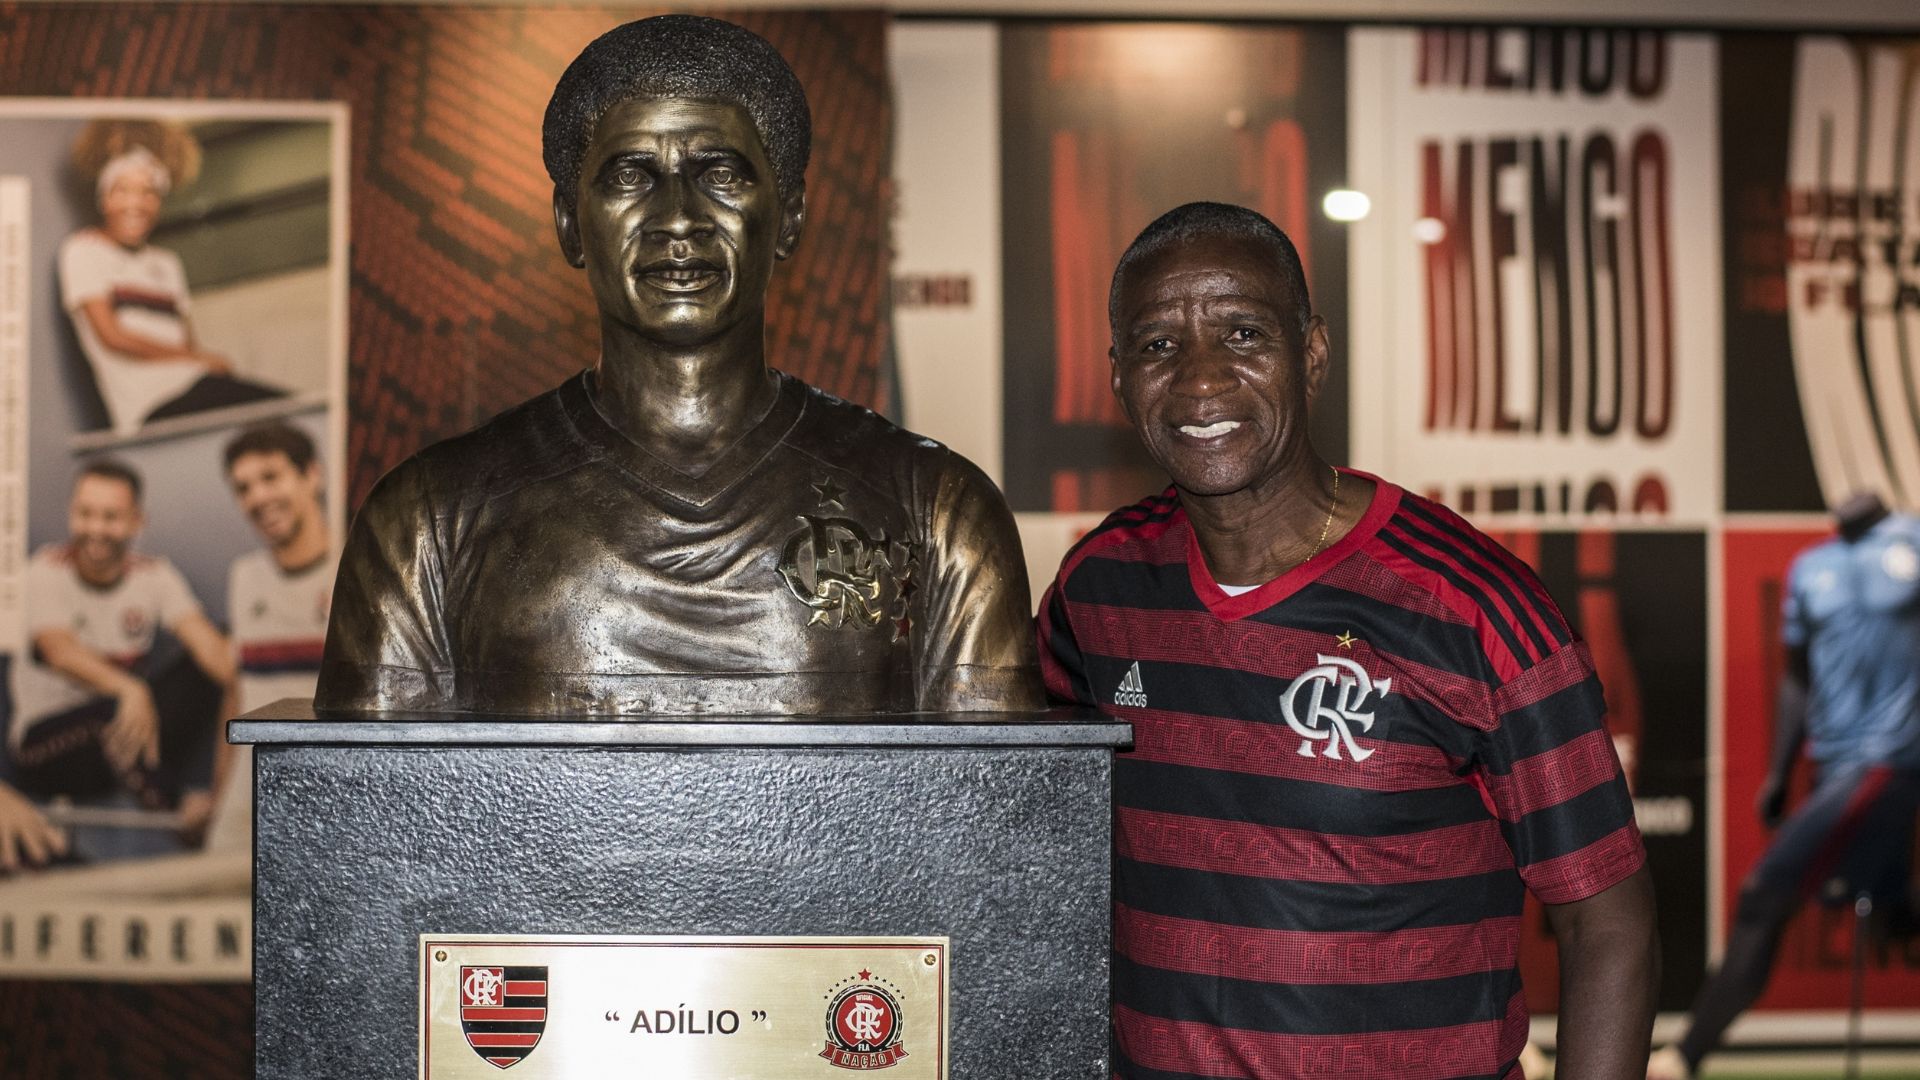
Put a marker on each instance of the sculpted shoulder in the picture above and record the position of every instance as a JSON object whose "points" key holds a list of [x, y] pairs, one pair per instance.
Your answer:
{"points": [[857, 438], [528, 442]]}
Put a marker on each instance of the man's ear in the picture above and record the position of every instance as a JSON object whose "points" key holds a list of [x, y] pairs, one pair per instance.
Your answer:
{"points": [[566, 226], [1113, 372], [793, 218], [1315, 357]]}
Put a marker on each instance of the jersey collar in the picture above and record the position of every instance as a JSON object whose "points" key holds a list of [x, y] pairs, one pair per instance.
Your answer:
{"points": [[576, 394], [1386, 499]]}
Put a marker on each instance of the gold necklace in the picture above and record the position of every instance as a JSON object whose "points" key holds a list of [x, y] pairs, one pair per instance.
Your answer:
{"points": [[1328, 524]]}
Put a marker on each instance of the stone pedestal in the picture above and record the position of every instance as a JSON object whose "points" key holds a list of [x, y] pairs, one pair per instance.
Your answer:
{"points": [[369, 833]]}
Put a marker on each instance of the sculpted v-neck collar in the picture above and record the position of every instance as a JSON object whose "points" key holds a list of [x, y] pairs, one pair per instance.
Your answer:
{"points": [[734, 463], [1386, 499]]}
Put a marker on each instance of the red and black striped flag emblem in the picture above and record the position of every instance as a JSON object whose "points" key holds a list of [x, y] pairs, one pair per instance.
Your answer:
{"points": [[503, 1010]]}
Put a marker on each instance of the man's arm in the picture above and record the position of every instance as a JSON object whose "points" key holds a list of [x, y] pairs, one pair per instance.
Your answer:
{"points": [[98, 311], [1553, 779], [208, 646], [1789, 732], [213, 655], [132, 737], [1609, 973], [60, 650]]}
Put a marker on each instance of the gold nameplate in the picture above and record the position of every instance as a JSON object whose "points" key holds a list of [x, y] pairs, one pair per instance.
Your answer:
{"points": [[563, 1007]]}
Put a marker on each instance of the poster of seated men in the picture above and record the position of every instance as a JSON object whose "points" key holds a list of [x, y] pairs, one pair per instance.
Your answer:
{"points": [[172, 344]]}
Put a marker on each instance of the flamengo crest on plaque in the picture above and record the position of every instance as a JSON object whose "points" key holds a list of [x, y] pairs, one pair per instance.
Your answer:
{"points": [[561, 1006], [503, 1010], [864, 1025]]}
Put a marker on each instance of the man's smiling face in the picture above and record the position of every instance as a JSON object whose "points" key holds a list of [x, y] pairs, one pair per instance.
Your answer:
{"points": [[103, 517], [677, 219], [279, 498], [1211, 365]]}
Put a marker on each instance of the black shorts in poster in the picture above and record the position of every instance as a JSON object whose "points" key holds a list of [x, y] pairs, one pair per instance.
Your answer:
{"points": [[1103, 128]]}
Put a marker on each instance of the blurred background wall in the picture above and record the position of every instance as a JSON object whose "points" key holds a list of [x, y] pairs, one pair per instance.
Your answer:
{"points": [[1635, 288]]}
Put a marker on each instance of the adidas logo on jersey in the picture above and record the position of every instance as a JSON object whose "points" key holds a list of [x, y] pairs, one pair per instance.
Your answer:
{"points": [[1131, 692]]}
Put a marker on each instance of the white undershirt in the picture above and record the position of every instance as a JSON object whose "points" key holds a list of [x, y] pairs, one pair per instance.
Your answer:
{"points": [[1237, 590]]}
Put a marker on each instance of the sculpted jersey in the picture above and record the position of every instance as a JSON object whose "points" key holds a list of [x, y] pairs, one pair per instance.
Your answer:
{"points": [[828, 562], [1342, 785], [147, 289], [1856, 609], [279, 626], [118, 622]]}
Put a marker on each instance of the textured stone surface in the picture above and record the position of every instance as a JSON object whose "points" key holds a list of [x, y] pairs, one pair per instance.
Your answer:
{"points": [[361, 849]]}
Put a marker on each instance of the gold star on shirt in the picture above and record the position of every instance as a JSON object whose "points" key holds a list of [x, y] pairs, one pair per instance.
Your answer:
{"points": [[1346, 640], [829, 493]]}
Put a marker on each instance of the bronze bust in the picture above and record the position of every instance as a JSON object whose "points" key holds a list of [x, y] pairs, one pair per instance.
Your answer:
{"points": [[681, 528]]}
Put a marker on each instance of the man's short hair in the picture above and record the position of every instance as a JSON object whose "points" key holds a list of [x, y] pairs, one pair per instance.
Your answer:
{"points": [[1197, 219], [684, 56], [272, 437], [111, 469]]}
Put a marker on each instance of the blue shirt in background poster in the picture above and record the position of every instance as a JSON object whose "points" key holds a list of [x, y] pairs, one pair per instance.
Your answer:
{"points": [[1855, 608]]}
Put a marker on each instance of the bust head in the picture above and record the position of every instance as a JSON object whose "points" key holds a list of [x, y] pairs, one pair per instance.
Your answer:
{"points": [[678, 148]]}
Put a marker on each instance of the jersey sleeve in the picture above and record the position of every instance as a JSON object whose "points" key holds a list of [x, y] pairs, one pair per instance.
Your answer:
{"points": [[387, 644], [1062, 669], [85, 273], [173, 597], [177, 290], [973, 645], [1551, 776], [46, 602]]}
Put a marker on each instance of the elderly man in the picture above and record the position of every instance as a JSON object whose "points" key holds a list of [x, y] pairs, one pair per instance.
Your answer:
{"points": [[681, 528], [1363, 730]]}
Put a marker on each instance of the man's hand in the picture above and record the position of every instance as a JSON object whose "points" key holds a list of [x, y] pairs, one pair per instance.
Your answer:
{"points": [[1771, 803], [25, 837], [1609, 968], [132, 737], [196, 813]]}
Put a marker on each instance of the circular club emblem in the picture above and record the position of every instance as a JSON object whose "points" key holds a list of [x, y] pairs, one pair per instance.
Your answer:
{"points": [[863, 1029]]}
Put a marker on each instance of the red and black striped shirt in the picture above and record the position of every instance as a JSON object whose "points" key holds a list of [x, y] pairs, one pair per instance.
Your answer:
{"points": [[1342, 785]]}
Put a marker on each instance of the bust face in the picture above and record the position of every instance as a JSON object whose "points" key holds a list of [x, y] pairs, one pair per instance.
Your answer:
{"points": [[677, 219]]}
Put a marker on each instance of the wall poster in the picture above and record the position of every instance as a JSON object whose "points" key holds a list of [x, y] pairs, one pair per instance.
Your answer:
{"points": [[177, 276], [1534, 331]]}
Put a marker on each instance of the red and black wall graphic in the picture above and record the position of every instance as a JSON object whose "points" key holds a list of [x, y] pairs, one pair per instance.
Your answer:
{"points": [[1103, 128], [1640, 602]]}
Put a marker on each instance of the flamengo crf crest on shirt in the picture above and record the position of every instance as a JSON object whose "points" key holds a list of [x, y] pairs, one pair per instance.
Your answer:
{"points": [[1327, 700], [503, 1011]]}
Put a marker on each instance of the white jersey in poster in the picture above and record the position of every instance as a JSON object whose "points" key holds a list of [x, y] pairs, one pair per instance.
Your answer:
{"points": [[147, 289], [117, 622], [278, 621]]}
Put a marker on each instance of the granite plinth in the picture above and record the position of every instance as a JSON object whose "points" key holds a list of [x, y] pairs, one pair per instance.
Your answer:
{"points": [[369, 833]]}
